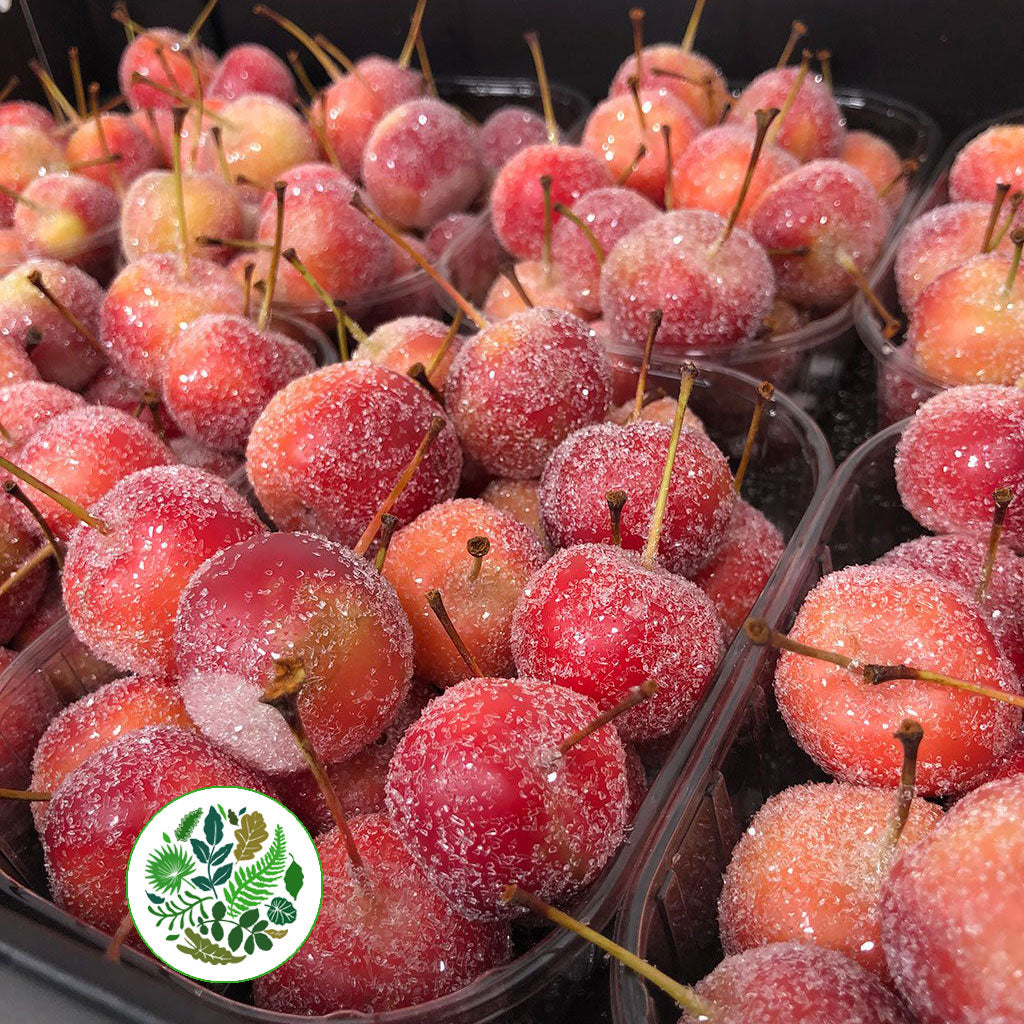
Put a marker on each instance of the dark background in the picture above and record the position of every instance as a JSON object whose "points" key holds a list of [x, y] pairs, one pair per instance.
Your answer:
{"points": [[959, 61]]}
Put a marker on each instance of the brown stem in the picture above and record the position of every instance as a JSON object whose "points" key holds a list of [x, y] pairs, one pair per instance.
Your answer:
{"points": [[908, 168], [76, 80], [508, 271], [424, 63], [30, 795], [30, 204], [125, 927], [275, 256], [183, 99], [796, 32], [478, 548], [301, 76], [196, 27], [1017, 237], [1012, 206], [890, 324], [120, 14], [418, 372], [9, 86], [824, 58], [1001, 496], [341, 321], [436, 603], [72, 506], [388, 525], [303, 37], [653, 326], [44, 527], [636, 17], [179, 190], [666, 134], [36, 559], [533, 42], [579, 222], [414, 30], [217, 133], [342, 58], [442, 349], [627, 173], [763, 120], [96, 161], [616, 501], [909, 735], [692, 25], [248, 271], [635, 696], [545, 184], [764, 393], [52, 91], [790, 99], [634, 88], [1002, 191]]}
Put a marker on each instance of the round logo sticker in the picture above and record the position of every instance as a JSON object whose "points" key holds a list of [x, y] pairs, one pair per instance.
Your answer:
{"points": [[224, 884]]}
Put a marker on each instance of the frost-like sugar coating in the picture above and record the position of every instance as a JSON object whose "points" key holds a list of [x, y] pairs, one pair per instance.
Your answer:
{"points": [[190, 452], [709, 172], [248, 68], [813, 127], [834, 212], [95, 721], [329, 448], [142, 56], [20, 538], [950, 912], [82, 453], [661, 410], [25, 112], [471, 253], [301, 598], [221, 372], [121, 589], [605, 457], [810, 866], [151, 302], [522, 385], [610, 214], [788, 982], [15, 364], [422, 162], [101, 807], [996, 155], [480, 794], [25, 153], [60, 353], [593, 619], [544, 287], [508, 130], [739, 569], [959, 447], [517, 199], [893, 616], [111, 387], [399, 944], [709, 296], [520, 498], [398, 344], [430, 553], [121, 138], [27, 406]]}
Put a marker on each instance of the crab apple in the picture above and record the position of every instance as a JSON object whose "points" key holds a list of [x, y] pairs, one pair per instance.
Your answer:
{"points": [[302, 598], [249, 68], [61, 354], [400, 344], [709, 173], [190, 452], [221, 372], [386, 938], [480, 791], [605, 457], [149, 215], [544, 287], [504, 420], [27, 406], [620, 124], [163, 55], [26, 114], [960, 446], [15, 364], [609, 214], [521, 500], [789, 981], [119, 136], [20, 538], [408, 292], [967, 326], [741, 565], [469, 249], [152, 301], [517, 199], [1012, 764], [810, 868], [952, 939], [827, 212], [121, 588], [508, 130], [673, 71], [82, 453], [876, 159], [12, 249], [711, 295], [328, 448], [997, 154], [100, 808], [661, 410], [894, 616], [813, 127], [479, 594], [25, 153], [95, 721], [111, 387]]}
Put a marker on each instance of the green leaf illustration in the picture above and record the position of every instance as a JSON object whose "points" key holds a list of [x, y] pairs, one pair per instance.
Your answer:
{"points": [[208, 951], [281, 911], [232, 817], [235, 937], [250, 945], [251, 835], [187, 825], [201, 850], [293, 879], [175, 912], [263, 941], [277, 933], [213, 827], [168, 867], [220, 855], [253, 883]]}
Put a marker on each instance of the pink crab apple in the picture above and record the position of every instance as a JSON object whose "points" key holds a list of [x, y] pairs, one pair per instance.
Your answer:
{"points": [[997, 154], [27, 406], [521, 500], [401, 343], [112, 388], [25, 153], [116, 135], [19, 540], [27, 114], [142, 56], [879, 162], [469, 249], [505, 132], [251, 68], [544, 287]]}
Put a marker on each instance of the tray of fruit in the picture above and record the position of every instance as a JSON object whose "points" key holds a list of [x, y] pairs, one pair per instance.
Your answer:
{"points": [[963, 227], [794, 840]]}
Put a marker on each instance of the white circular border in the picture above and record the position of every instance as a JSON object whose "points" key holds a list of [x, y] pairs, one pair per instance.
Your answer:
{"points": [[298, 844]]}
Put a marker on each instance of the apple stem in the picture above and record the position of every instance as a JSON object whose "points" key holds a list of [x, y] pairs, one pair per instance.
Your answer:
{"points": [[52, 91], [35, 278], [332, 69], [19, 198], [437, 424], [653, 326], [637, 695], [908, 168], [787, 103], [9, 86], [687, 377], [395, 235], [72, 506], [508, 271], [666, 134], [5, 434], [424, 63], [179, 190], [436, 603], [796, 32], [388, 524], [183, 99], [36, 559], [692, 25], [1002, 191], [343, 323], [414, 29], [125, 927], [131, 27], [301, 76], [222, 160], [36, 796], [824, 58], [616, 500], [1001, 497], [890, 324], [533, 42], [634, 89], [442, 349], [641, 152], [76, 80], [545, 184], [588, 234], [151, 400], [275, 256], [418, 372], [761, 634], [96, 161], [684, 996], [283, 696], [909, 735], [1013, 204], [248, 271], [200, 105], [478, 548], [44, 527], [788, 250], [345, 61], [101, 134], [763, 120], [196, 27], [1017, 237], [765, 390], [636, 17]]}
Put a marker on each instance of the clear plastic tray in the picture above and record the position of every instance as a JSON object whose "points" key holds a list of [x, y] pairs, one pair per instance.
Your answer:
{"points": [[902, 384], [737, 752], [787, 477]]}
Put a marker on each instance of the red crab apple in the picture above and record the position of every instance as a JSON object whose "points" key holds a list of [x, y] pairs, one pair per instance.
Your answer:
{"points": [[27, 406], [20, 538], [997, 154], [400, 344], [248, 68], [880, 164], [25, 153], [521, 500], [544, 287], [505, 132], [27, 114], [162, 55], [112, 135], [15, 364]]}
